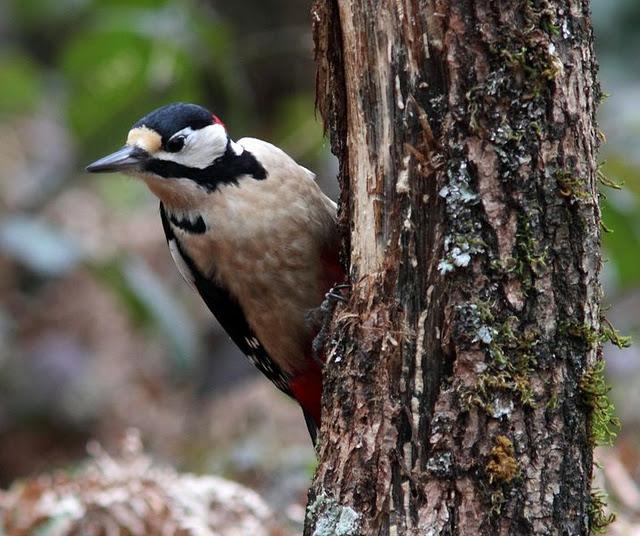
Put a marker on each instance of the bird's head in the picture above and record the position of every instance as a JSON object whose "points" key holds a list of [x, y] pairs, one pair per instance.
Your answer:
{"points": [[174, 149]]}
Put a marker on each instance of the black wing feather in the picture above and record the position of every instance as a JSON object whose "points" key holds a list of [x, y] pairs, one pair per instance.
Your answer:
{"points": [[230, 316]]}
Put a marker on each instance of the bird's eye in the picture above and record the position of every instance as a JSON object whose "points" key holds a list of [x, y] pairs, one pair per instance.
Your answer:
{"points": [[175, 144]]}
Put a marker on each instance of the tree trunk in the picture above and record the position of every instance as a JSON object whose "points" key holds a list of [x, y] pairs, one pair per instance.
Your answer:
{"points": [[461, 381]]}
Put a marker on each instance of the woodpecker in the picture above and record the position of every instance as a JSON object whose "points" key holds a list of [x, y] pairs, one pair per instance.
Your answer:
{"points": [[249, 230]]}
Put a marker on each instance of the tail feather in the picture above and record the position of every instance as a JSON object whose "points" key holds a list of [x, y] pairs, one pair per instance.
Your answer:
{"points": [[311, 426]]}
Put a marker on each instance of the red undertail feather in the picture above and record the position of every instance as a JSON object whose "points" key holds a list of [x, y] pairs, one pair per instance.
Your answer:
{"points": [[307, 390]]}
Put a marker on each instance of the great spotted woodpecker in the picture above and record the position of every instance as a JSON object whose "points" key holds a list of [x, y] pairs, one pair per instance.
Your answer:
{"points": [[249, 229]]}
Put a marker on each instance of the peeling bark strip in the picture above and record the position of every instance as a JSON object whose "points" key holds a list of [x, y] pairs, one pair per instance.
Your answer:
{"points": [[467, 142]]}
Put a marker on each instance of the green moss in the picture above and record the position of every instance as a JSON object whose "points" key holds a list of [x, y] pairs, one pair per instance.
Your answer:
{"points": [[491, 383], [604, 425], [551, 28], [530, 257], [570, 185], [603, 96], [605, 228], [497, 500], [502, 466], [524, 68], [510, 359], [605, 180], [591, 337], [586, 333], [535, 61], [501, 469], [527, 263], [610, 334], [599, 518], [542, 14]]}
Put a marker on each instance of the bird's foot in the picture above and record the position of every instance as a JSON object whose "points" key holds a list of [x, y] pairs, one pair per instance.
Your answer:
{"points": [[319, 319], [336, 293]]}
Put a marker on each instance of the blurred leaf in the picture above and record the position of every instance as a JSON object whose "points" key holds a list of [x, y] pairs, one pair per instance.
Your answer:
{"points": [[623, 171], [298, 131], [123, 194], [112, 274], [622, 245], [116, 77], [131, 3], [620, 211], [38, 245], [173, 320], [34, 13], [150, 305], [20, 84]]}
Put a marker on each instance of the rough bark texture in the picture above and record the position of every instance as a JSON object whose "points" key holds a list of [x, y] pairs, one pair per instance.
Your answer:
{"points": [[454, 400]]}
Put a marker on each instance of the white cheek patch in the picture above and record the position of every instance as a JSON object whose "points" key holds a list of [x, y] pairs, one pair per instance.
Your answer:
{"points": [[201, 147]]}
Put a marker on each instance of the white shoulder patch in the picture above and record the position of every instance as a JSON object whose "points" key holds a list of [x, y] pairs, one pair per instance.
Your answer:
{"points": [[261, 148], [271, 155], [184, 270]]}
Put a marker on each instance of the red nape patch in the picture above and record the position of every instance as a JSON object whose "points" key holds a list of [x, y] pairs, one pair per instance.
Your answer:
{"points": [[217, 120], [307, 390]]}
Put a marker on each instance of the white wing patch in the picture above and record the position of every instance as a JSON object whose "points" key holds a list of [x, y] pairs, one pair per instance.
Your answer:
{"points": [[183, 268], [253, 342]]}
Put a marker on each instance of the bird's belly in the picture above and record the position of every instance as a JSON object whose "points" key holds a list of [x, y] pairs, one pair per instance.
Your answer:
{"points": [[275, 289], [282, 330]]}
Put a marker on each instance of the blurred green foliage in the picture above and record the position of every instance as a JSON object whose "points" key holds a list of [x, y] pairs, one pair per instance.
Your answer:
{"points": [[621, 214], [20, 83], [110, 60], [104, 63]]}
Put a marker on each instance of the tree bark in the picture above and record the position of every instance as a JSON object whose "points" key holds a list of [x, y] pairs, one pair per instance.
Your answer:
{"points": [[458, 373]]}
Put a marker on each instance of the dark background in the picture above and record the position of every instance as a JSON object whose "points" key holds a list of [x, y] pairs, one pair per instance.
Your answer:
{"points": [[97, 330]]}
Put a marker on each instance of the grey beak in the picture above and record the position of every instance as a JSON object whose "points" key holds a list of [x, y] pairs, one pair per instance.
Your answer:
{"points": [[125, 159]]}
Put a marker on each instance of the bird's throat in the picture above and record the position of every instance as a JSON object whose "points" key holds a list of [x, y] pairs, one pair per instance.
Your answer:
{"points": [[178, 195]]}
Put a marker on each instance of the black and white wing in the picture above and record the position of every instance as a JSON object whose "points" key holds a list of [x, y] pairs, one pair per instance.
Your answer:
{"points": [[226, 310]]}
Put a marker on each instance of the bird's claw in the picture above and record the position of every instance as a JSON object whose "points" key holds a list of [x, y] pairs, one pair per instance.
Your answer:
{"points": [[335, 295]]}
